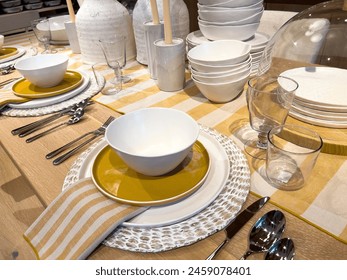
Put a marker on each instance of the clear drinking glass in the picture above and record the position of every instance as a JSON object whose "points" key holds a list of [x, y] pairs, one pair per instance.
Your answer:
{"points": [[269, 100], [112, 82], [291, 155], [114, 49], [41, 28]]}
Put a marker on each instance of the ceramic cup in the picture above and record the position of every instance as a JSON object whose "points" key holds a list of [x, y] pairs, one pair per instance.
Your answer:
{"points": [[170, 61], [291, 155], [153, 32], [71, 32]]}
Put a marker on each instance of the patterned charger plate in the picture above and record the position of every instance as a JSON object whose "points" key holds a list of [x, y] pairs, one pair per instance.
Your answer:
{"points": [[211, 219]]}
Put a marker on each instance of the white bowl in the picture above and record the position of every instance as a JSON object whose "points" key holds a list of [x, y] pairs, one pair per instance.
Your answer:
{"points": [[57, 27], [219, 68], [222, 52], [230, 3], [224, 78], [222, 92], [220, 73], [237, 32], [45, 70], [216, 8], [153, 141], [228, 14], [251, 19]]}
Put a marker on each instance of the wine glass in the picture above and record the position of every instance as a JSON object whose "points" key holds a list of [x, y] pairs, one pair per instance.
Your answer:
{"points": [[41, 28], [114, 50], [269, 99]]}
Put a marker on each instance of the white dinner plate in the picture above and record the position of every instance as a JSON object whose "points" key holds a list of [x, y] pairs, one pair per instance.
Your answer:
{"points": [[320, 115], [37, 103], [320, 107], [196, 38], [179, 211], [21, 52], [314, 121], [258, 41], [320, 85]]}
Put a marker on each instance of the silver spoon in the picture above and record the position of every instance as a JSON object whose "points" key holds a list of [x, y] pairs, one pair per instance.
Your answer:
{"points": [[265, 232], [282, 249], [76, 117]]}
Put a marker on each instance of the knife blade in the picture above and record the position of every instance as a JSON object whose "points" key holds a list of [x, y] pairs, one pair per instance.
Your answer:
{"points": [[235, 225]]}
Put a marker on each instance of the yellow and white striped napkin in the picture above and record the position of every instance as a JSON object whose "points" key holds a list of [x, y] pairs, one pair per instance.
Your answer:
{"points": [[76, 222]]}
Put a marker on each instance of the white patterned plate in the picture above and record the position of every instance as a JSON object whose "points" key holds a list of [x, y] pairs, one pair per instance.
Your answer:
{"points": [[204, 223]]}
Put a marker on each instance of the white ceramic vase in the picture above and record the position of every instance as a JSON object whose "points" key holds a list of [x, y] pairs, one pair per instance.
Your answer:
{"points": [[98, 20], [142, 13]]}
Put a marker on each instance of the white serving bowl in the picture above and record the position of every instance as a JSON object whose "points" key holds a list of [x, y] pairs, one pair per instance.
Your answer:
{"points": [[153, 141], [230, 3], [228, 14], [221, 52], [57, 27], [204, 68], [222, 92], [45, 70], [251, 19], [224, 78], [220, 73], [237, 32], [216, 8]]}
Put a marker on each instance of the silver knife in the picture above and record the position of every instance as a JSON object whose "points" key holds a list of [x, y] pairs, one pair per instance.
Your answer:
{"points": [[235, 225]]}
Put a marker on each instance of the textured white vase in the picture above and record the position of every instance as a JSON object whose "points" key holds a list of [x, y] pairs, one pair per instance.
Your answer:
{"points": [[98, 20], [142, 13]]}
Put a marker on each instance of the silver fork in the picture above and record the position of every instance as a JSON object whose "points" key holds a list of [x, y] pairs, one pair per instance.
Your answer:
{"points": [[96, 133]]}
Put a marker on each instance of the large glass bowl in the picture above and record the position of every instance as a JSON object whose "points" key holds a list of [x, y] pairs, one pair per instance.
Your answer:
{"points": [[315, 36]]}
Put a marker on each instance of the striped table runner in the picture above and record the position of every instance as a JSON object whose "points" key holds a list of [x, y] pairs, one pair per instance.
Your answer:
{"points": [[322, 202]]}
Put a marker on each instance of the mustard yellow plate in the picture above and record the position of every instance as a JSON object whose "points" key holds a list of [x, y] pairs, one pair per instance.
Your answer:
{"points": [[7, 52], [24, 88], [119, 182]]}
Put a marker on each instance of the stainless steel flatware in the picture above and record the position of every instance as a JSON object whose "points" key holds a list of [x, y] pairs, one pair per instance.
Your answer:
{"points": [[282, 249], [34, 126], [96, 133], [8, 81], [73, 119], [236, 224], [265, 232]]}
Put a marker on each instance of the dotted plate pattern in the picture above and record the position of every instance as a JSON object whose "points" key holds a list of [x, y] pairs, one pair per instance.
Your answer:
{"points": [[97, 83], [207, 222]]}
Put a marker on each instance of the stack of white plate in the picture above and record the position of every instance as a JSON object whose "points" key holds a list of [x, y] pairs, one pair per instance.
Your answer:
{"points": [[220, 68], [258, 43], [194, 39], [229, 19], [321, 96]]}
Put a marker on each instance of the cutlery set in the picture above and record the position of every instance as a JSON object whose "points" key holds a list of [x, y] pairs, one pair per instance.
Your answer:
{"points": [[265, 235], [76, 113]]}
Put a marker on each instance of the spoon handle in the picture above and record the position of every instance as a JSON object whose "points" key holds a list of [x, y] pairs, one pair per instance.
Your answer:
{"points": [[37, 136], [217, 250], [246, 255]]}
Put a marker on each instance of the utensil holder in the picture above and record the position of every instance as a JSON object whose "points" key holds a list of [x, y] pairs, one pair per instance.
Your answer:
{"points": [[153, 32], [71, 33], [170, 63]]}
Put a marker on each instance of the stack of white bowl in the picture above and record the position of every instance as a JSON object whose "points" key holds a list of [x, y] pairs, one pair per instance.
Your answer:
{"points": [[229, 19], [221, 68]]}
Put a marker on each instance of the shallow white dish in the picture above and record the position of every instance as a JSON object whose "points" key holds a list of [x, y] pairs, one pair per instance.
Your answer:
{"points": [[324, 123], [320, 85], [37, 103], [176, 212], [21, 52], [321, 107], [196, 38], [320, 115]]}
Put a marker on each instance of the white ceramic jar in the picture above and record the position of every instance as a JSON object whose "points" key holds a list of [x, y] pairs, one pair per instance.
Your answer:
{"points": [[142, 13], [99, 19]]}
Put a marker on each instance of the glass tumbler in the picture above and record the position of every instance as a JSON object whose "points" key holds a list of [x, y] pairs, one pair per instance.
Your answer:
{"points": [[291, 155]]}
